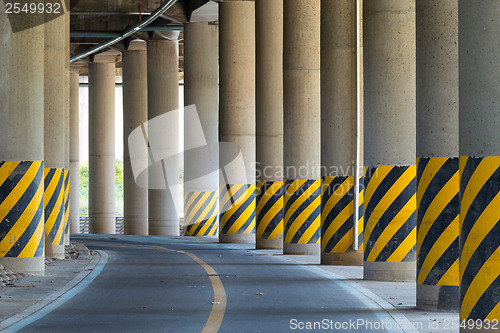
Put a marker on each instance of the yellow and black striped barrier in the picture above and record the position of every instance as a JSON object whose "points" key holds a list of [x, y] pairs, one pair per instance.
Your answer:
{"points": [[302, 219], [237, 209], [54, 206], [479, 238], [438, 207], [200, 213], [390, 233], [269, 210], [21, 209], [337, 214], [67, 205]]}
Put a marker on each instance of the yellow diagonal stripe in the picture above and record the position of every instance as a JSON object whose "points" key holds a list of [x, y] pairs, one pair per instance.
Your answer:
{"points": [[428, 174], [404, 248]]}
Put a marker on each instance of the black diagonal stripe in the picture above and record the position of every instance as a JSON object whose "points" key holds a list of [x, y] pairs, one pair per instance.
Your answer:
{"points": [[53, 232], [440, 179], [198, 214], [188, 197], [332, 187], [20, 206], [41, 244], [384, 187], [21, 243], [205, 221], [467, 172], [273, 224], [247, 223], [14, 178], [442, 265], [236, 214], [335, 211], [264, 188], [487, 302], [397, 239], [389, 214], [421, 166], [337, 236], [299, 192], [268, 205], [483, 252], [53, 199], [479, 204], [411, 255], [305, 225], [303, 206], [234, 196], [442, 222], [48, 178]]}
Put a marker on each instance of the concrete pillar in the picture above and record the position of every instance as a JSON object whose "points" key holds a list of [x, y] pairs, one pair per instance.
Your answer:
{"points": [[479, 68], [201, 158], [269, 118], [237, 121], [338, 126], [54, 132], [437, 155], [301, 77], [135, 114], [21, 154], [74, 168], [102, 148], [389, 120], [67, 125], [163, 132]]}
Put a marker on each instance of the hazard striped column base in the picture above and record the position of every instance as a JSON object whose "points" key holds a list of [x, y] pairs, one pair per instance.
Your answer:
{"points": [[67, 207], [21, 216], [54, 212], [302, 220], [438, 207], [237, 213], [200, 213], [479, 240], [337, 215], [390, 234], [269, 233]]}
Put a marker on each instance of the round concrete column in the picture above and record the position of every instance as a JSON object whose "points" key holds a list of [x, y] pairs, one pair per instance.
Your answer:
{"points": [[201, 158], [237, 121], [55, 138], [338, 126], [269, 117], [135, 115], [479, 68], [67, 129], [437, 155], [74, 168], [389, 120], [21, 154], [102, 148], [301, 78], [163, 135]]}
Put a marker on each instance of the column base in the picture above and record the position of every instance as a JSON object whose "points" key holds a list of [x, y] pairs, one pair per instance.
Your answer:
{"points": [[34, 266], [54, 251], [301, 249], [269, 244], [165, 228], [66, 239], [103, 224], [438, 298], [237, 238], [342, 259], [135, 226], [390, 271]]}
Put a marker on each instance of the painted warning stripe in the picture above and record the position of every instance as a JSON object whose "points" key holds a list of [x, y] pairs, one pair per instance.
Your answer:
{"points": [[67, 205], [201, 213], [337, 214], [269, 210], [21, 209], [479, 238], [302, 220], [54, 205], [390, 213], [237, 209], [438, 207]]}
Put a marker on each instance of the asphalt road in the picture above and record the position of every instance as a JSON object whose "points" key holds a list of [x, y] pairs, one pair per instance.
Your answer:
{"points": [[188, 285]]}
